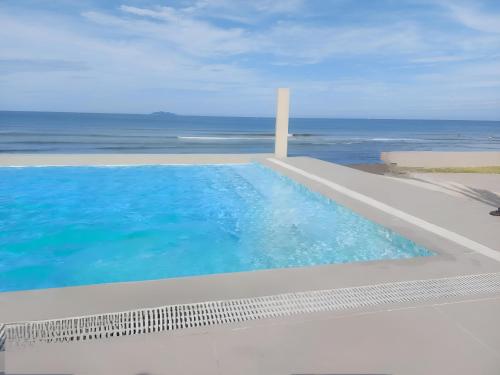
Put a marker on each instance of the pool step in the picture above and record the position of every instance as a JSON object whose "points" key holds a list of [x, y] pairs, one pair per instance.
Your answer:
{"points": [[183, 316]]}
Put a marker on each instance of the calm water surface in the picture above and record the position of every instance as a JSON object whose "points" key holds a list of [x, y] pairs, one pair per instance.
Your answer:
{"points": [[343, 141]]}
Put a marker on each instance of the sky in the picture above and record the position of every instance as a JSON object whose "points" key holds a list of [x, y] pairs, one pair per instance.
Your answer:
{"points": [[434, 59]]}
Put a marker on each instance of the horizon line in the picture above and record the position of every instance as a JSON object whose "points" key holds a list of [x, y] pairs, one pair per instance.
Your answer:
{"points": [[173, 114]]}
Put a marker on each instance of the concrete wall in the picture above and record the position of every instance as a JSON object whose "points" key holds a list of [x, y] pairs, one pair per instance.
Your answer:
{"points": [[434, 159]]}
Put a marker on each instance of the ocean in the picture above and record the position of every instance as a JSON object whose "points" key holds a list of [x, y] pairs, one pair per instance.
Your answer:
{"points": [[344, 141]]}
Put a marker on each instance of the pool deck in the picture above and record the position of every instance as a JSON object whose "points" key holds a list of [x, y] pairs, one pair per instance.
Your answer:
{"points": [[458, 335], [473, 185]]}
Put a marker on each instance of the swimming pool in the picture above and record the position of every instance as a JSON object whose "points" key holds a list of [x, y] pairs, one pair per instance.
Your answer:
{"points": [[67, 226]]}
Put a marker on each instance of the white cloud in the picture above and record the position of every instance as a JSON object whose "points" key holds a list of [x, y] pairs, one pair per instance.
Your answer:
{"points": [[188, 34], [257, 8], [465, 77], [9, 66], [135, 59], [278, 6], [437, 59], [289, 42], [474, 18], [116, 70], [309, 44]]}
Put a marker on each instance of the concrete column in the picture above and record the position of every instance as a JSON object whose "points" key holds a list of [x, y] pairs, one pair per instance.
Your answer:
{"points": [[282, 113]]}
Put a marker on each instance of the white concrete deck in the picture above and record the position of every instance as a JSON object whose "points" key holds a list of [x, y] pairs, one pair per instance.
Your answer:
{"points": [[448, 339], [456, 336], [473, 185]]}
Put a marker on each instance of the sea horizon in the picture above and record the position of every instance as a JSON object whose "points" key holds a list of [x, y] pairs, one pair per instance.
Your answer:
{"points": [[272, 116]]}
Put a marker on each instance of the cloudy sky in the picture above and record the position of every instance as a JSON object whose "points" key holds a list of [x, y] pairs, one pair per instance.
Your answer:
{"points": [[341, 58]]}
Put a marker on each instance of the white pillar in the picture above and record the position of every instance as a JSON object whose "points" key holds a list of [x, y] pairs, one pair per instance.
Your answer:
{"points": [[281, 136]]}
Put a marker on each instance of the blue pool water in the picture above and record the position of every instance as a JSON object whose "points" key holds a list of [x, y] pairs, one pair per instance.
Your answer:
{"points": [[65, 226]]}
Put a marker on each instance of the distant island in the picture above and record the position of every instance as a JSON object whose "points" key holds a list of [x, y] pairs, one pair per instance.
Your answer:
{"points": [[163, 114]]}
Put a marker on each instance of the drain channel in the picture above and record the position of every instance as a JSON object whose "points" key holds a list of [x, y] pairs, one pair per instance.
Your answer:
{"points": [[2, 338], [175, 317]]}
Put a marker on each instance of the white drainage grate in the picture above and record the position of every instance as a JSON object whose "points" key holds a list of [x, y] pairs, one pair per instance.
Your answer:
{"points": [[2, 338], [175, 317]]}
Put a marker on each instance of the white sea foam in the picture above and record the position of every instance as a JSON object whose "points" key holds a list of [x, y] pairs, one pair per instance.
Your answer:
{"points": [[230, 138], [235, 137], [395, 139]]}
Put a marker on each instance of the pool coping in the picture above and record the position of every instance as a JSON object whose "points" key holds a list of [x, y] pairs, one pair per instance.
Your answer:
{"points": [[452, 259], [112, 160]]}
